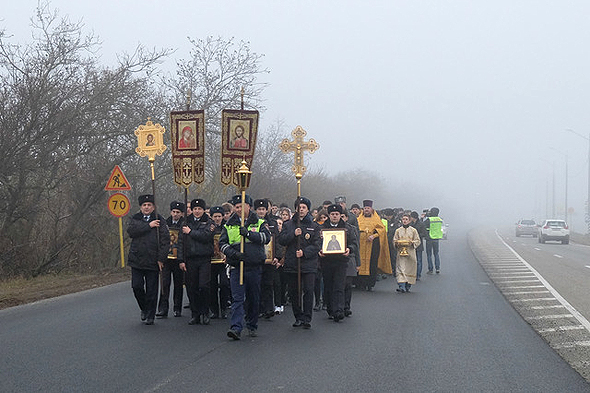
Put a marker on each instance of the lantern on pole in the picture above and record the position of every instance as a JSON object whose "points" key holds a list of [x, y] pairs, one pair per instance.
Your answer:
{"points": [[244, 176]]}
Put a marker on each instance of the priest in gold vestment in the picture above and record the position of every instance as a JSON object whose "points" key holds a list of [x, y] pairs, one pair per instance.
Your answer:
{"points": [[373, 246], [406, 239]]}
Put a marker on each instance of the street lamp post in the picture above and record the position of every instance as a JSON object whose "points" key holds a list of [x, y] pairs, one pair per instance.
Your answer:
{"points": [[566, 175], [588, 196]]}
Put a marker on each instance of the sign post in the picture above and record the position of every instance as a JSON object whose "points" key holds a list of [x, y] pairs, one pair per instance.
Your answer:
{"points": [[118, 204]]}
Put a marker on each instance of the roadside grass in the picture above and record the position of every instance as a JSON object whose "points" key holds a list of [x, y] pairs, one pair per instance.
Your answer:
{"points": [[16, 291]]}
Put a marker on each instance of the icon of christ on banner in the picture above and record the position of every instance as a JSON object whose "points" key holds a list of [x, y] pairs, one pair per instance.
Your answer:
{"points": [[240, 139]]}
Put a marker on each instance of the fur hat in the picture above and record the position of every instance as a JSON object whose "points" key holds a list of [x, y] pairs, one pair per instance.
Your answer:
{"points": [[216, 209], [146, 198], [238, 199], [198, 203], [260, 203], [334, 208], [303, 200], [175, 205]]}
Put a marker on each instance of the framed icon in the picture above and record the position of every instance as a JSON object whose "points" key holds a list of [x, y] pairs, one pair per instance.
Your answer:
{"points": [[333, 241], [218, 256], [269, 251], [173, 253]]}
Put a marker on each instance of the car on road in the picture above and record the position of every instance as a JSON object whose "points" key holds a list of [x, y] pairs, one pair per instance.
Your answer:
{"points": [[554, 229], [526, 227]]}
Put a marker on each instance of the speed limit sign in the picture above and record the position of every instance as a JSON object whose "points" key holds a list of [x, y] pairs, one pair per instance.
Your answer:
{"points": [[118, 205]]}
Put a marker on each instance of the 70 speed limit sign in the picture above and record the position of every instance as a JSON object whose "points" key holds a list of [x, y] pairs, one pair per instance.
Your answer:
{"points": [[118, 205]]}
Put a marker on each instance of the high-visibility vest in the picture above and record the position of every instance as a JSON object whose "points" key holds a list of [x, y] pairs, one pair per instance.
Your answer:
{"points": [[435, 229], [386, 224], [233, 231]]}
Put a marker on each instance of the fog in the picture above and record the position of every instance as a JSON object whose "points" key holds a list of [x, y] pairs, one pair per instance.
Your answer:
{"points": [[457, 104]]}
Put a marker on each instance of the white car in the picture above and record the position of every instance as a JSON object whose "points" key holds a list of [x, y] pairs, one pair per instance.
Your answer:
{"points": [[554, 229]]}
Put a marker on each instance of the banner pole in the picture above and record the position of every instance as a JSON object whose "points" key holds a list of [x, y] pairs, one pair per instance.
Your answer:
{"points": [[121, 245]]}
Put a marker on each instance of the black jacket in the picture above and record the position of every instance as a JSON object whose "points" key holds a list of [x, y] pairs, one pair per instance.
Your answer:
{"points": [[145, 252], [253, 246], [199, 242], [310, 243], [351, 243]]}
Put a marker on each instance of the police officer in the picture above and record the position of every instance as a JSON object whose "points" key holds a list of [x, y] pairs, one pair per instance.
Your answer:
{"points": [[150, 242], [171, 269], [197, 263], [269, 269], [256, 234], [301, 236]]}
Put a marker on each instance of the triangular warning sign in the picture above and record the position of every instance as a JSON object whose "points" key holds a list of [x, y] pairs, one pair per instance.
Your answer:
{"points": [[117, 181]]}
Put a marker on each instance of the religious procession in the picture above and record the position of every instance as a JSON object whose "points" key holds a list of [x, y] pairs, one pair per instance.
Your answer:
{"points": [[245, 259]]}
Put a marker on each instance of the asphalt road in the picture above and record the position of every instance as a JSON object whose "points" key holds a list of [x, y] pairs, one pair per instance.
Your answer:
{"points": [[454, 332]]}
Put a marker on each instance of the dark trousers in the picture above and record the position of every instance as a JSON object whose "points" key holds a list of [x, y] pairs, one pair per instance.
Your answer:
{"points": [[307, 285], [198, 280], [145, 288], [278, 288], [334, 273], [250, 290], [284, 277], [318, 293], [348, 292], [266, 289], [220, 292], [171, 272], [370, 280]]}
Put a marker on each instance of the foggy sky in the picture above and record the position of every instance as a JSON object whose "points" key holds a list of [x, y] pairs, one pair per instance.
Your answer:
{"points": [[461, 100]]}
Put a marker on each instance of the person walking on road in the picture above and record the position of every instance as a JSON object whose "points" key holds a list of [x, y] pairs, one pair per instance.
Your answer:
{"points": [[433, 225], [406, 254], [150, 243]]}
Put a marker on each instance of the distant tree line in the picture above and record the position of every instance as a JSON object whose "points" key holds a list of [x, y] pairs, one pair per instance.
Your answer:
{"points": [[66, 120]]}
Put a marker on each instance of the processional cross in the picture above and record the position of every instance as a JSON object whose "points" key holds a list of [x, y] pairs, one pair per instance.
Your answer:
{"points": [[299, 146]]}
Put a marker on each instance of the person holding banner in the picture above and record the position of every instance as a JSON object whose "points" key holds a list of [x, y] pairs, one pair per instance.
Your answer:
{"points": [[150, 243]]}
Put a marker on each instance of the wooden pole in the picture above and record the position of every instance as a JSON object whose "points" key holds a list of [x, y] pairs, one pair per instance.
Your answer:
{"points": [[242, 240]]}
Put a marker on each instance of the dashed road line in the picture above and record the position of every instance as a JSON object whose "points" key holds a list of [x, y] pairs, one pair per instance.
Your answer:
{"points": [[561, 328], [557, 256]]}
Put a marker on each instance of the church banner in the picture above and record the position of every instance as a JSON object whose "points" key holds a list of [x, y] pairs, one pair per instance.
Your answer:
{"points": [[187, 130], [238, 141]]}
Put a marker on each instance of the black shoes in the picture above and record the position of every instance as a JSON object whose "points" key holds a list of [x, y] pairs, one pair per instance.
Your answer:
{"points": [[338, 317], [161, 315], [298, 324], [205, 319], [149, 321], [347, 313], [231, 333], [143, 315], [253, 332], [306, 325]]}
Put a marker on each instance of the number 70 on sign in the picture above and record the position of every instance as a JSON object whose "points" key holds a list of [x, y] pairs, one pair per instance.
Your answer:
{"points": [[118, 205]]}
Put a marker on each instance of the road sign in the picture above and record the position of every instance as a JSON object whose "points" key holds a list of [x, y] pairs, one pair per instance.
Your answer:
{"points": [[117, 181], [118, 205]]}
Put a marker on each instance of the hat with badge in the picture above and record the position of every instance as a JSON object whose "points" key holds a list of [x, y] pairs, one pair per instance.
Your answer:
{"points": [[355, 206], [175, 205], [238, 199], [367, 202], [216, 209], [340, 199], [334, 208], [146, 198], [260, 203], [198, 203], [303, 200]]}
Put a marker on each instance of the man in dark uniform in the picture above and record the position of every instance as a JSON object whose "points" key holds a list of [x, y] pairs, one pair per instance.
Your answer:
{"points": [[334, 265], [199, 230], [220, 293], [301, 236], [256, 234], [171, 269], [150, 242]]}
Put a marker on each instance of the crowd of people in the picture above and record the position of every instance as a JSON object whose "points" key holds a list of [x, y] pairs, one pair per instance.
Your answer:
{"points": [[247, 259]]}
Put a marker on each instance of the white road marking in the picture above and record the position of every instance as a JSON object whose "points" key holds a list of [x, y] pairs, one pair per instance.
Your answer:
{"points": [[537, 248], [575, 313], [524, 292], [554, 316], [537, 299], [561, 328], [573, 344], [588, 266], [547, 307], [557, 256], [528, 286], [515, 281]]}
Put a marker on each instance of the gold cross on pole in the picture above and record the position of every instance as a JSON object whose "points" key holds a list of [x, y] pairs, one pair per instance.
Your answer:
{"points": [[299, 146]]}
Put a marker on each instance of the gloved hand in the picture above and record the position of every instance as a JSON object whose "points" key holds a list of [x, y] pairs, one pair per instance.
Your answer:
{"points": [[244, 231], [239, 256]]}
